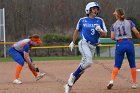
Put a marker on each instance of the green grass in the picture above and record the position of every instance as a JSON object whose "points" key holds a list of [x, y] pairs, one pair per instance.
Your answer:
{"points": [[8, 59], [57, 58]]}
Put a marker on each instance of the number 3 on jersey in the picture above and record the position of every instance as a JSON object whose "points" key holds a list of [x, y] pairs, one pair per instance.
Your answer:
{"points": [[92, 31]]}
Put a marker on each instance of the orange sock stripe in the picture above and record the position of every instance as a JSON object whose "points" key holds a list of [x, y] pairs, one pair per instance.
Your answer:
{"points": [[134, 74], [18, 70], [114, 73]]}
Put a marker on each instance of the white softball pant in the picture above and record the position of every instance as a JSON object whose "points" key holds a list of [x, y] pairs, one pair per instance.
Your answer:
{"points": [[87, 50]]}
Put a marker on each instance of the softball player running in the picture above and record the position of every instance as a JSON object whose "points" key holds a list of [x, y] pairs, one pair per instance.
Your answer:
{"points": [[90, 28], [121, 32], [20, 53]]}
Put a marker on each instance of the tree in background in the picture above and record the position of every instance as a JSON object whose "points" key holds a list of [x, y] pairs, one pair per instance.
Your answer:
{"points": [[25, 17]]}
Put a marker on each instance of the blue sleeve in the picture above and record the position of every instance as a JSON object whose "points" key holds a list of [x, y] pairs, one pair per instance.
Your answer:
{"points": [[132, 24], [103, 25], [79, 25], [112, 28], [26, 48]]}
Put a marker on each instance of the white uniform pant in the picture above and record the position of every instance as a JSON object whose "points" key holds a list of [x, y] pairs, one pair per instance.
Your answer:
{"points": [[87, 50]]}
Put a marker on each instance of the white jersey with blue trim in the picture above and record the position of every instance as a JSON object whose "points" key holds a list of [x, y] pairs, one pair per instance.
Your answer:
{"points": [[86, 26], [20, 44]]}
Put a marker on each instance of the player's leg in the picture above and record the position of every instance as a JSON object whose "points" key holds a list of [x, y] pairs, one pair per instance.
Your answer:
{"points": [[77, 74], [131, 59], [72, 79], [87, 54], [17, 57], [119, 56], [34, 73], [38, 75], [85, 63], [92, 49]]}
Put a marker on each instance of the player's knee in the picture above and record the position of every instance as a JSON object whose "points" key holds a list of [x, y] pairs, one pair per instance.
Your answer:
{"points": [[86, 62], [87, 65], [89, 60]]}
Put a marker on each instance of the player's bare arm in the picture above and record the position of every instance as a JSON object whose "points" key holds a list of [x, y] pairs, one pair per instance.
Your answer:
{"points": [[75, 36], [103, 33], [136, 32], [112, 35], [27, 58]]}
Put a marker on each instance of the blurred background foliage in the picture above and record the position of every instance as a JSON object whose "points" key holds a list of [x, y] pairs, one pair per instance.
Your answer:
{"points": [[55, 20]]}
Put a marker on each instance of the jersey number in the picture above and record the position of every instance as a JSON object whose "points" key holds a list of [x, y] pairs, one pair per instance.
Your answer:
{"points": [[121, 31], [92, 31]]}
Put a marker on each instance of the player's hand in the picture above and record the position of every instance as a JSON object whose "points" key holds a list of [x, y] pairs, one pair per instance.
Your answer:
{"points": [[99, 29], [71, 45]]}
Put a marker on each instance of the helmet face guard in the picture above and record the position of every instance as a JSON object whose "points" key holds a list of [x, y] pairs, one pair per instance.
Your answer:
{"points": [[91, 5]]}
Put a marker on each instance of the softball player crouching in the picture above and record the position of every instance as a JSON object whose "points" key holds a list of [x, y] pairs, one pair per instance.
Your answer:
{"points": [[90, 28], [20, 54], [121, 31]]}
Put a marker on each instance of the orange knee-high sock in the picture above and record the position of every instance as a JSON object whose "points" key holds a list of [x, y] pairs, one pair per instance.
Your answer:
{"points": [[134, 74], [34, 73], [114, 73], [18, 70]]}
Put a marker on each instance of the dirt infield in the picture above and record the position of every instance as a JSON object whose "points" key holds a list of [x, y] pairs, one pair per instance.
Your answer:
{"points": [[94, 80]]}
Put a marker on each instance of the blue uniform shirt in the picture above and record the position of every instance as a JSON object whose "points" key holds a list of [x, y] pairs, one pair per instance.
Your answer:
{"points": [[86, 26]]}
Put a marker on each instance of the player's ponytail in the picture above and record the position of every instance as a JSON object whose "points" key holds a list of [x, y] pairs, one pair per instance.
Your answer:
{"points": [[121, 13]]}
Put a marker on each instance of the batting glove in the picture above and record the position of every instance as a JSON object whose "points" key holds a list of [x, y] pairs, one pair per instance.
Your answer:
{"points": [[71, 45], [99, 29]]}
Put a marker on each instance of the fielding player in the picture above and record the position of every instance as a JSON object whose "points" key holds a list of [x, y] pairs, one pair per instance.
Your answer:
{"points": [[20, 54]]}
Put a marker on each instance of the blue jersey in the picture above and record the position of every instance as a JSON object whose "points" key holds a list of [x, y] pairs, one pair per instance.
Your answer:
{"points": [[86, 26]]}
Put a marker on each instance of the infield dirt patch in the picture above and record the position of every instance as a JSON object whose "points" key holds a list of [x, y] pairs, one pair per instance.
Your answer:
{"points": [[94, 80]]}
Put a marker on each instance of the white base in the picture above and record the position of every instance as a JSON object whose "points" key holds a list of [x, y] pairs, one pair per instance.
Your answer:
{"points": [[138, 70]]}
